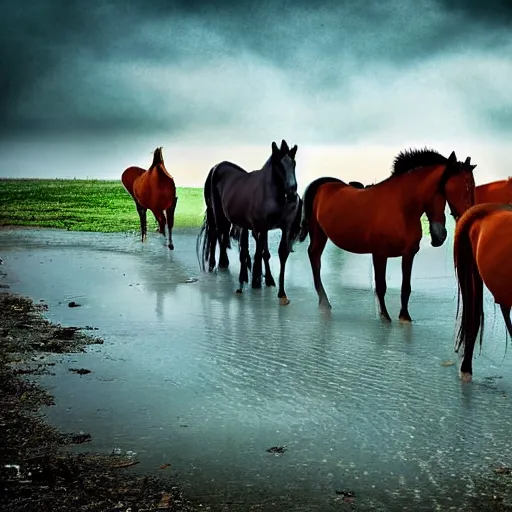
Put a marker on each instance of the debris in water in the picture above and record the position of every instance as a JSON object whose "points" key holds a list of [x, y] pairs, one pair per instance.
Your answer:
{"points": [[503, 470], [74, 304], [276, 449], [165, 502], [80, 371], [448, 363], [80, 438]]}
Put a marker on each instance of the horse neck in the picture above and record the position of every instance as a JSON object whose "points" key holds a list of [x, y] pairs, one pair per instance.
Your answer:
{"points": [[270, 179], [417, 187]]}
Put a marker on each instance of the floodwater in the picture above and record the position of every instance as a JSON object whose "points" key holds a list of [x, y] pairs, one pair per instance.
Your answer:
{"points": [[195, 376]]}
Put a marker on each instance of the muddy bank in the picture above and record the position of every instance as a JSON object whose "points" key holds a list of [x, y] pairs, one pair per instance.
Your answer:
{"points": [[37, 471]]}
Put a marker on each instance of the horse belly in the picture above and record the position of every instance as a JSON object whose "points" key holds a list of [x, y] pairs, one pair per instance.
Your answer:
{"points": [[364, 235]]}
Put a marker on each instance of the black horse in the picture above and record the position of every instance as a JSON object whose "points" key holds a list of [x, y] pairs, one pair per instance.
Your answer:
{"points": [[238, 201]]}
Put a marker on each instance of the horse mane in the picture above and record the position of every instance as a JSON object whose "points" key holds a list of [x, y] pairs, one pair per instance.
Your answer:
{"points": [[412, 159], [158, 157]]}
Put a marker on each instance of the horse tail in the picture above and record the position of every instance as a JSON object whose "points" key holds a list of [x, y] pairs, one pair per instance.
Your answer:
{"points": [[470, 284], [307, 207], [207, 232]]}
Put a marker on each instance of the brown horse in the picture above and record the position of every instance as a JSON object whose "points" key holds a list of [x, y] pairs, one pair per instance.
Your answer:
{"points": [[153, 190], [385, 220], [494, 192], [482, 249]]}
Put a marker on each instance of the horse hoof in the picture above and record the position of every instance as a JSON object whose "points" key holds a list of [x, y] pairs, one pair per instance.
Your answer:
{"points": [[239, 291], [405, 319], [284, 301], [256, 285], [325, 304], [171, 246], [385, 318], [270, 283], [466, 377]]}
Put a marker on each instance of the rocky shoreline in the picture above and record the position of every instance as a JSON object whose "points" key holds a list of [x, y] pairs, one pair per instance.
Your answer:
{"points": [[38, 472]]}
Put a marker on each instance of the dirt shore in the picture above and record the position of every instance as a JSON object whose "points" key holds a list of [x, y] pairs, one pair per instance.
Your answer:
{"points": [[37, 471]]}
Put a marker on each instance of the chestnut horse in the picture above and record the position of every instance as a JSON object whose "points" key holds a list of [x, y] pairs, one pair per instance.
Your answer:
{"points": [[482, 249], [153, 190], [384, 220], [494, 192], [238, 201]]}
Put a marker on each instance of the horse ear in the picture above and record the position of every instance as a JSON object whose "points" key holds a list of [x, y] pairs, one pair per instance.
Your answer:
{"points": [[452, 157], [293, 152], [468, 161], [275, 149], [472, 166], [284, 146]]}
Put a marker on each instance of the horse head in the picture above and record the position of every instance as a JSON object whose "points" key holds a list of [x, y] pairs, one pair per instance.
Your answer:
{"points": [[458, 185], [283, 167]]}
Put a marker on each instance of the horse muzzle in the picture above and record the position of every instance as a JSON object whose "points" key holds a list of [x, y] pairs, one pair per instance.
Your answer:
{"points": [[438, 234]]}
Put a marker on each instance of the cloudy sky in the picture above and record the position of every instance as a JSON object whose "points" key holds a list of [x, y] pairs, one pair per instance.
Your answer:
{"points": [[89, 88]]}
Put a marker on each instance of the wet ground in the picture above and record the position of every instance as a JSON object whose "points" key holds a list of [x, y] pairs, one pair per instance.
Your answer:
{"points": [[202, 382]]}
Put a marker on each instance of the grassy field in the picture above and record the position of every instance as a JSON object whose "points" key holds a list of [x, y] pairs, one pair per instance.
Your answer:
{"points": [[89, 205], [85, 205]]}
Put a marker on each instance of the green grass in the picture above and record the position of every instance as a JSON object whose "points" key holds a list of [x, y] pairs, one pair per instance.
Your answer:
{"points": [[85, 205], [89, 205]]}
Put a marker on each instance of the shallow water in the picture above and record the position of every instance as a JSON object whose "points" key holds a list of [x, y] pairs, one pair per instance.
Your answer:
{"points": [[195, 376]]}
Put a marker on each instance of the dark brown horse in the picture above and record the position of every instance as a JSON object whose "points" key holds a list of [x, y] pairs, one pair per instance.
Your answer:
{"points": [[385, 219], [238, 201], [153, 190], [482, 249]]}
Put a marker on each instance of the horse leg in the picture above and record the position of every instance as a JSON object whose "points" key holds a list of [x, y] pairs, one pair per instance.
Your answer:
{"points": [[224, 243], [258, 255], [143, 221], [269, 280], [244, 253], [407, 261], [284, 252], [379, 266], [505, 311], [317, 242], [160, 219], [169, 213], [466, 367]]}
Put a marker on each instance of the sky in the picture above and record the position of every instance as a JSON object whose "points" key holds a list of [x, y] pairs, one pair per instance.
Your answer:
{"points": [[90, 88]]}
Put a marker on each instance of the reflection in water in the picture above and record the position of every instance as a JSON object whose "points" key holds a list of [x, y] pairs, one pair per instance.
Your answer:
{"points": [[360, 405]]}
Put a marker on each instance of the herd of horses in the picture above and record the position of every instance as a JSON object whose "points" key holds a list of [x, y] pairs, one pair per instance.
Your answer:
{"points": [[381, 219]]}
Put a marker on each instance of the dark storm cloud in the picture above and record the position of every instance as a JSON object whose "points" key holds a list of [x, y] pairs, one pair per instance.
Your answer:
{"points": [[175, 66]]}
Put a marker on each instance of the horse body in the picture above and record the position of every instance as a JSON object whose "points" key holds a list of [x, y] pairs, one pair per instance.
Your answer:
{"points": [[366, 228], [238, 201], [482, 251], [245, 193], [385, 219], [153, 190], [494, 192]]}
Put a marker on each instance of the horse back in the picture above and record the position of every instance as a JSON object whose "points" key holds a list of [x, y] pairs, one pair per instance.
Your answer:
{"points": [[499, 191]]}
